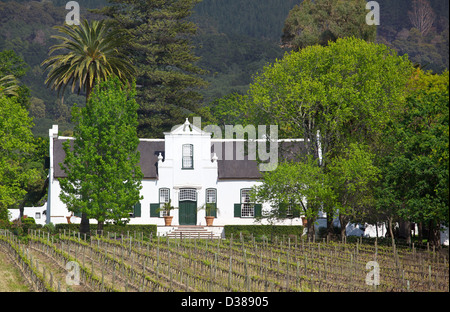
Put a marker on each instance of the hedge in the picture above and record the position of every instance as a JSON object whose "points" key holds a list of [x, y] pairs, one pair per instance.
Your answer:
{"points": [[267, 230], [146, 229]]}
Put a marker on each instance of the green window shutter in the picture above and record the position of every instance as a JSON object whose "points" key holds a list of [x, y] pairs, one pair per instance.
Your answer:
{"points": [[237, 210], [137, 210], [282, 209], [154, 210], [296, 211], [258, 210]]}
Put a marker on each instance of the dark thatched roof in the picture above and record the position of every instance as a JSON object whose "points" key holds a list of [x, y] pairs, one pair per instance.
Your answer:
{"points": [[228, 165]]}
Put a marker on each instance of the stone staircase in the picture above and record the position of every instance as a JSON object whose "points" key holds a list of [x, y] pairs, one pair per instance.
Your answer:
{"points": [[194, 232]]}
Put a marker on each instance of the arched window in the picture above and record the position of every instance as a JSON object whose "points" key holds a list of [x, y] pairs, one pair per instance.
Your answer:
{"points": [[188, 194]]}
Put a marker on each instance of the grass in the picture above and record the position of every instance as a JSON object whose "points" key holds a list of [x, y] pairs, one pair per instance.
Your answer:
{"points": [[10, 278]]}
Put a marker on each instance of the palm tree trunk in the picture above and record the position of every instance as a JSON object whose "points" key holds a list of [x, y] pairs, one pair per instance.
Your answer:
{"points": [[85, 227]]}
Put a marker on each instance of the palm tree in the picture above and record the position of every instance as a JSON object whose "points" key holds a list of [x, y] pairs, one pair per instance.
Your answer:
{"points": [[92, 55], [8, 85]]}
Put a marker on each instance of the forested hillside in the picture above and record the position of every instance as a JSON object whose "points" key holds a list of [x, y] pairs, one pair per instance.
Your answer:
{"points": [[235, 39]]}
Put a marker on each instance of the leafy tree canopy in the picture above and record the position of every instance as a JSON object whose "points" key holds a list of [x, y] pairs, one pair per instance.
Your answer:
{"points": [[103, 173], [321, 21], [16, 144]]}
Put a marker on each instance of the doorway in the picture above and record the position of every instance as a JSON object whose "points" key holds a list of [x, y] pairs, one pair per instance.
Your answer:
{"points": [[187, 207]]}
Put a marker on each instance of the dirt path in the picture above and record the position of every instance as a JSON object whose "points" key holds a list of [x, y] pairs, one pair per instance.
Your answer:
{"points": [[10, 278]]}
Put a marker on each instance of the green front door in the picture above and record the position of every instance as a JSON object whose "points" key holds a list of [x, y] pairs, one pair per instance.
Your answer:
{"points": [[188, 212]]}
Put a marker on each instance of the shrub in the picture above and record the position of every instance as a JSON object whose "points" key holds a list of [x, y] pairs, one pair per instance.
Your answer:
{"points": [[146, 229], [260, 231], [5, 224], [50, 228], [27, 223]]}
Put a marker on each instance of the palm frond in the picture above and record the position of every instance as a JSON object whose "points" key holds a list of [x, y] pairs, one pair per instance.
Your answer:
{"points": [[9, 85], [90, 53]]}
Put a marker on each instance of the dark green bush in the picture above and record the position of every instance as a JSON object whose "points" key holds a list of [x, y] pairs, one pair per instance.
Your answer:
{"points": [[258, 231], [146, 229]]}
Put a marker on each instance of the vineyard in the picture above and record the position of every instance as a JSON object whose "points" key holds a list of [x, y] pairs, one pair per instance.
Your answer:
{"points": [[130, 263]]}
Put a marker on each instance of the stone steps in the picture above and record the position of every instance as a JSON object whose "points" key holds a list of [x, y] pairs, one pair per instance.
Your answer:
{"points": [[192, 232]]}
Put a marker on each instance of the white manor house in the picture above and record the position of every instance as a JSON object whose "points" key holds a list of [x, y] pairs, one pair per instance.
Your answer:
{"points": [[186, 169], [190, 169]]}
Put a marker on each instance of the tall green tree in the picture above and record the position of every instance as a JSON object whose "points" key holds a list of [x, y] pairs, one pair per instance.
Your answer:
{"points": [[103, 174], [320, 21], [16, 144], [90, 54], [415, 169], [295, 189], [330, 96], [161, 50], [352, 175]]}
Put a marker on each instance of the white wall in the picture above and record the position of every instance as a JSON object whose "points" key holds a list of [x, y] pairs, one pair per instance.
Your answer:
{"points": [[34, 212], [171, 175]]}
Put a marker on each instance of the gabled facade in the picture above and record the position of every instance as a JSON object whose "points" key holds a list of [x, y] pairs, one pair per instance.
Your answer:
{"points": [[188, 168]]}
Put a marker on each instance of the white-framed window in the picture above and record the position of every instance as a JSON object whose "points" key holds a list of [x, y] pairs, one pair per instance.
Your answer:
{"points": [[247, 208], [164, 197], [245, 195], [211, 202], [188, 156], [289, 211], [37, 215], [211, 196], [188, 194]]}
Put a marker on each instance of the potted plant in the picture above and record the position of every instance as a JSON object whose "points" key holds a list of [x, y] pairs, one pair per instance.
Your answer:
{"points": [[167, 207], [304, 221], [211, 210]]}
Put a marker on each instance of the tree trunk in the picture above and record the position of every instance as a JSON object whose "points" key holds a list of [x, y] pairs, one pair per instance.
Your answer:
{"points": [[100, 228], [405, 231], [435, 234], [420, 234], [85, 227], [343, 223], [391, 232], [311, 231], [329, 227]]}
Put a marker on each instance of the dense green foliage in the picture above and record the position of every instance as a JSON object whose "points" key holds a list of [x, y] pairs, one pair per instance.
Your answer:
{"points": [[351, 176], [124, 229], [235, 39], [321, 21], [415, 172], [160, 47], [103, 175], [268, 231], [337, 90], [16, 145], [300, 187], [384, 147]]}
